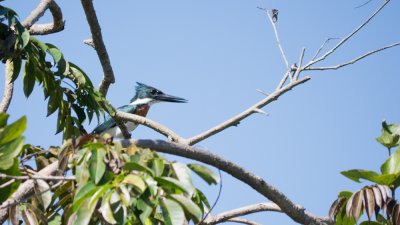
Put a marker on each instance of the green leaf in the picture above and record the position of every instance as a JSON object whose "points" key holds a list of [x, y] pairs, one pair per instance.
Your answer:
{"points": [[182, 172], [84, 192], [85, 211], [345, 194], [392, 164], [23, 35], [15, 68], [29, 78], [146, 210], [203, 198], [390, 135], [136, 181], [171, 183], [3, 119], [39, 44], [13, 131], [370, 223], [190, 207], [97, 166], [172, 212], [205, 173], [158, 166], [9, 151], [134, 166], [55, 221], [42, 189], [357, 174], [10, 189], [54, 52], [106, 211], [54, 102]]}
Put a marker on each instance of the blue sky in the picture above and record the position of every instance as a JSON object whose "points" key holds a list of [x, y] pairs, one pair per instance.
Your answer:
{"points": [[216, 54]]}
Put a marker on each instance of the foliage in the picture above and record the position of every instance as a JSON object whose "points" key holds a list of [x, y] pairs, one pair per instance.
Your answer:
{"points": [[348, 208], [11, 144], [67, 88]]}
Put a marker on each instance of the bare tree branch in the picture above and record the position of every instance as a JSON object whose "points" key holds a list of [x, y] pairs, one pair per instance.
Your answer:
{"points": [[312, 62], [296, 212], [8, 87], [300, 62], [260, 207], [353, 60], [253, 109], [276, 37], [322, 47], [99, 46], [35, 177], [151, 124], [38, 12]]}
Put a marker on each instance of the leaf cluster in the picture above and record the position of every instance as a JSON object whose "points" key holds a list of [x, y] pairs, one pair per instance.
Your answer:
{"points": [[65, 85], [349, 207]]}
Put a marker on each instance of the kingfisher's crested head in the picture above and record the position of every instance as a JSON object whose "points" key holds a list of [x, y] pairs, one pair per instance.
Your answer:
{"points": [[146, 94]]}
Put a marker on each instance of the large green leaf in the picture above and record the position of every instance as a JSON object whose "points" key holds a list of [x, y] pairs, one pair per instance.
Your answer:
{"points": [[385, 179], [42, 189], [190, 207], [9, 151], [172, 184], [15, 68], [3, 119], [97, 165], [29, 78], [392, 164], [84, 192], [204, 172], [172, 212], [131, 166], [182, 172], [390, 135], [10, 189], [13, 130], [136, 182]]}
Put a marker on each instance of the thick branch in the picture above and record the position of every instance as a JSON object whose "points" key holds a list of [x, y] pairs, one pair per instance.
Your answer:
{"points": [[353, 60], [294, 211], [260, 207], [99, 46], [42, 29], [253, 109], [8, 87], [312, 62]]}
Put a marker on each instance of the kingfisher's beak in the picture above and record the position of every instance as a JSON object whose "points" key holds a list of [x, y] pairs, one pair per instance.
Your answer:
{"points": [[169, 98]]}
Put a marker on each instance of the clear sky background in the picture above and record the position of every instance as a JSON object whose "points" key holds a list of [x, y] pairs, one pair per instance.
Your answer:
{"points": [[216, 54]]}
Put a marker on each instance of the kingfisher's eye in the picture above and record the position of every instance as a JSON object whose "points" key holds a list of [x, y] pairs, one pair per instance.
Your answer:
{"points": [[155, 92]]}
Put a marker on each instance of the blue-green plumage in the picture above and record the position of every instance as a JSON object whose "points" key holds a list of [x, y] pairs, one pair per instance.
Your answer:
{"points": [[145, 97]]}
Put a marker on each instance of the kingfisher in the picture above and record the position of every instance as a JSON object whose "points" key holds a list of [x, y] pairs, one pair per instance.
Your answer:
{"points": [[140, 104]]}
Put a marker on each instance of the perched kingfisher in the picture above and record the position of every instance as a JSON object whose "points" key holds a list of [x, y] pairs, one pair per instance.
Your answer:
{"points": [[140, 104]]}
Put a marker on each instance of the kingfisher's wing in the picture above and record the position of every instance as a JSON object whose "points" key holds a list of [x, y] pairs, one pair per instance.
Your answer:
{"points": [[109, 123]]}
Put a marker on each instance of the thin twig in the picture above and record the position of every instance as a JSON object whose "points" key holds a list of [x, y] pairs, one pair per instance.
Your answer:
{"points": [[234, 120], [276, 36], [99, 46], [322, 47], [284, 79], [7, 183], [312, 62], [300, 62], [244, 221], [8, 87], [353, 60], [243, 211]]}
